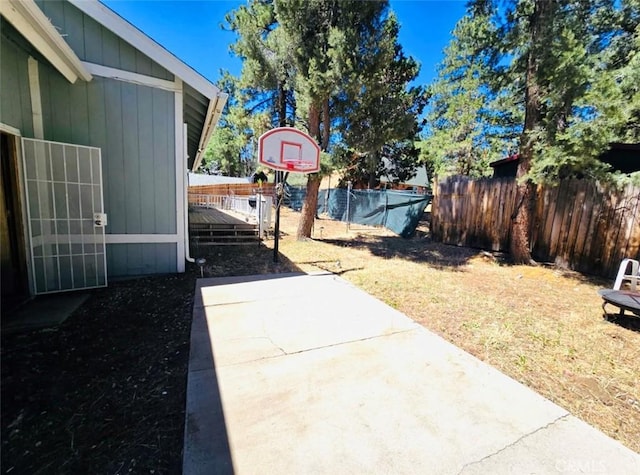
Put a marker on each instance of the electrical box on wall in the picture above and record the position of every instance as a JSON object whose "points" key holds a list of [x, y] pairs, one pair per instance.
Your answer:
{"points": [[99, 220]]}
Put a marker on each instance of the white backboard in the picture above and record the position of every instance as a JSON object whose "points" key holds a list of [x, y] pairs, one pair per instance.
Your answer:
{"points": [[289, 149]]}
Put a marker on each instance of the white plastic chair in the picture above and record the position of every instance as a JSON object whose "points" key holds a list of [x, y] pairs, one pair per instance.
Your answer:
{"points": [[633, 277]]}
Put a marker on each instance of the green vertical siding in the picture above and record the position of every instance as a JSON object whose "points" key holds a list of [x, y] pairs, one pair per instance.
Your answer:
{"points": [[15, 98], [141, 259], [134, 127], [93, 49], [163, 112], [73, 20], [113, 166], [130, 138], [94, 43], [132, 124], [56, 110], [145, 157]]}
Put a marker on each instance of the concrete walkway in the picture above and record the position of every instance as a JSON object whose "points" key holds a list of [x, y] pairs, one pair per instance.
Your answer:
{"points": [[302, 374]]}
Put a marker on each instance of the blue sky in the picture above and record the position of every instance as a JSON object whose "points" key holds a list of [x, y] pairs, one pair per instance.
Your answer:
{"points": [[191, 30]]}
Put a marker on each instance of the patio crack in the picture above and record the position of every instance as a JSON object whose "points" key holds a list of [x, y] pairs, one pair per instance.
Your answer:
{"points": [[284, 353], [512, 444], [346, 342], [266, 335], [304, 350]]}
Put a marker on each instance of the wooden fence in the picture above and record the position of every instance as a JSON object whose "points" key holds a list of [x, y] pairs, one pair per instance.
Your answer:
{"points": [[239, 189], [579, 224]]}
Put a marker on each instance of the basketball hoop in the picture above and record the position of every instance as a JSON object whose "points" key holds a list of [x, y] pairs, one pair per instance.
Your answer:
{"points": [[290, 150], [299, 166]]}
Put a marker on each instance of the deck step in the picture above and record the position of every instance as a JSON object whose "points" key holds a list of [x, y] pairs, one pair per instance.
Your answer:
{"points": [[222, 232], [201, 231], [214, 227], [220, 243], [224, 236], [237, 237]]}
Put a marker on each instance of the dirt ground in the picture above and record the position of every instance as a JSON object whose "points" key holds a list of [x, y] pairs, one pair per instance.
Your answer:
{"points": [[105, 391]]}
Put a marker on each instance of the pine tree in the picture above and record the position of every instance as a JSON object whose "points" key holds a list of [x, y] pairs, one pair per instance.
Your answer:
{"points": [[230, 151], [333, 68], [309, 27], [468, 123], [564, 60], [331, 41], [267, 77], [379, 110]]}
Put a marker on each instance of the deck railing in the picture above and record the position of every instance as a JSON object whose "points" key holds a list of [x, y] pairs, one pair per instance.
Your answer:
{"points": [[207, 201], [250, 206]]}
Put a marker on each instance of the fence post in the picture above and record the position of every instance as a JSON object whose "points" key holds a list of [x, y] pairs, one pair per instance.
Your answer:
{"points": [[259, 211], [326, 197], [349, 185], [386, 208]]}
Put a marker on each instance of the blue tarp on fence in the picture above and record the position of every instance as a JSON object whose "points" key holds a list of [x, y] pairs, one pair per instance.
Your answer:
{"points": [[398, 211]]}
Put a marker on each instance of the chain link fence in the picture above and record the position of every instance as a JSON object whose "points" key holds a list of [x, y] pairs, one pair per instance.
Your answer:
{"points": [[398, 211]]}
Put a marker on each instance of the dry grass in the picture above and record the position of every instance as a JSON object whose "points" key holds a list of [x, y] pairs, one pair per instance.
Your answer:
{"points": [[540, 325]]}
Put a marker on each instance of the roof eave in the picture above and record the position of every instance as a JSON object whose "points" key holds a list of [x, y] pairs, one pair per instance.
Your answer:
{"points": [[31, 22], [216, 106]]}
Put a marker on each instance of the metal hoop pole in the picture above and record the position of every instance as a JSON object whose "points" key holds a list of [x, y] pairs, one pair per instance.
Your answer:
{"points": [[279, 197]]}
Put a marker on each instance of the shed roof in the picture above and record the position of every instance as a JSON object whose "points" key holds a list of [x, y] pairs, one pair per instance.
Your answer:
{"points": [[514, 157], [420, 179], [623, 157]]}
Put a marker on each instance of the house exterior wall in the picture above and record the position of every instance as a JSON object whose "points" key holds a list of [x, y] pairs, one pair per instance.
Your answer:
{"points": [[15, 97], [137, 259], [132, 124], [94, 43]]}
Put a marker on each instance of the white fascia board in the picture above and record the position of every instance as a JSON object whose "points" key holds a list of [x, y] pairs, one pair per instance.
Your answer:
{"points": [[214, 111], [181, 176], [36, 98], [108, 239], [8, 129], [127, 76], [140, 238], [32, 23], [136, 38]]}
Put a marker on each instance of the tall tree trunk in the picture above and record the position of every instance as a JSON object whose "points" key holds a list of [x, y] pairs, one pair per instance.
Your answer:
{"points": [[372, 165], [310, 206], [326, 125], [525, 192], [282, 105], [314, 123]]}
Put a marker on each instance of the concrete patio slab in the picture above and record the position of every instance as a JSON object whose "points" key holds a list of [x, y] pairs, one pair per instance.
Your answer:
{"points": [[308, 374]]}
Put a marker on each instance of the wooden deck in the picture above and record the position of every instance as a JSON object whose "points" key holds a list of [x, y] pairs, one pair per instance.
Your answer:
{"points": [[217, 227], [215, 216]]}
